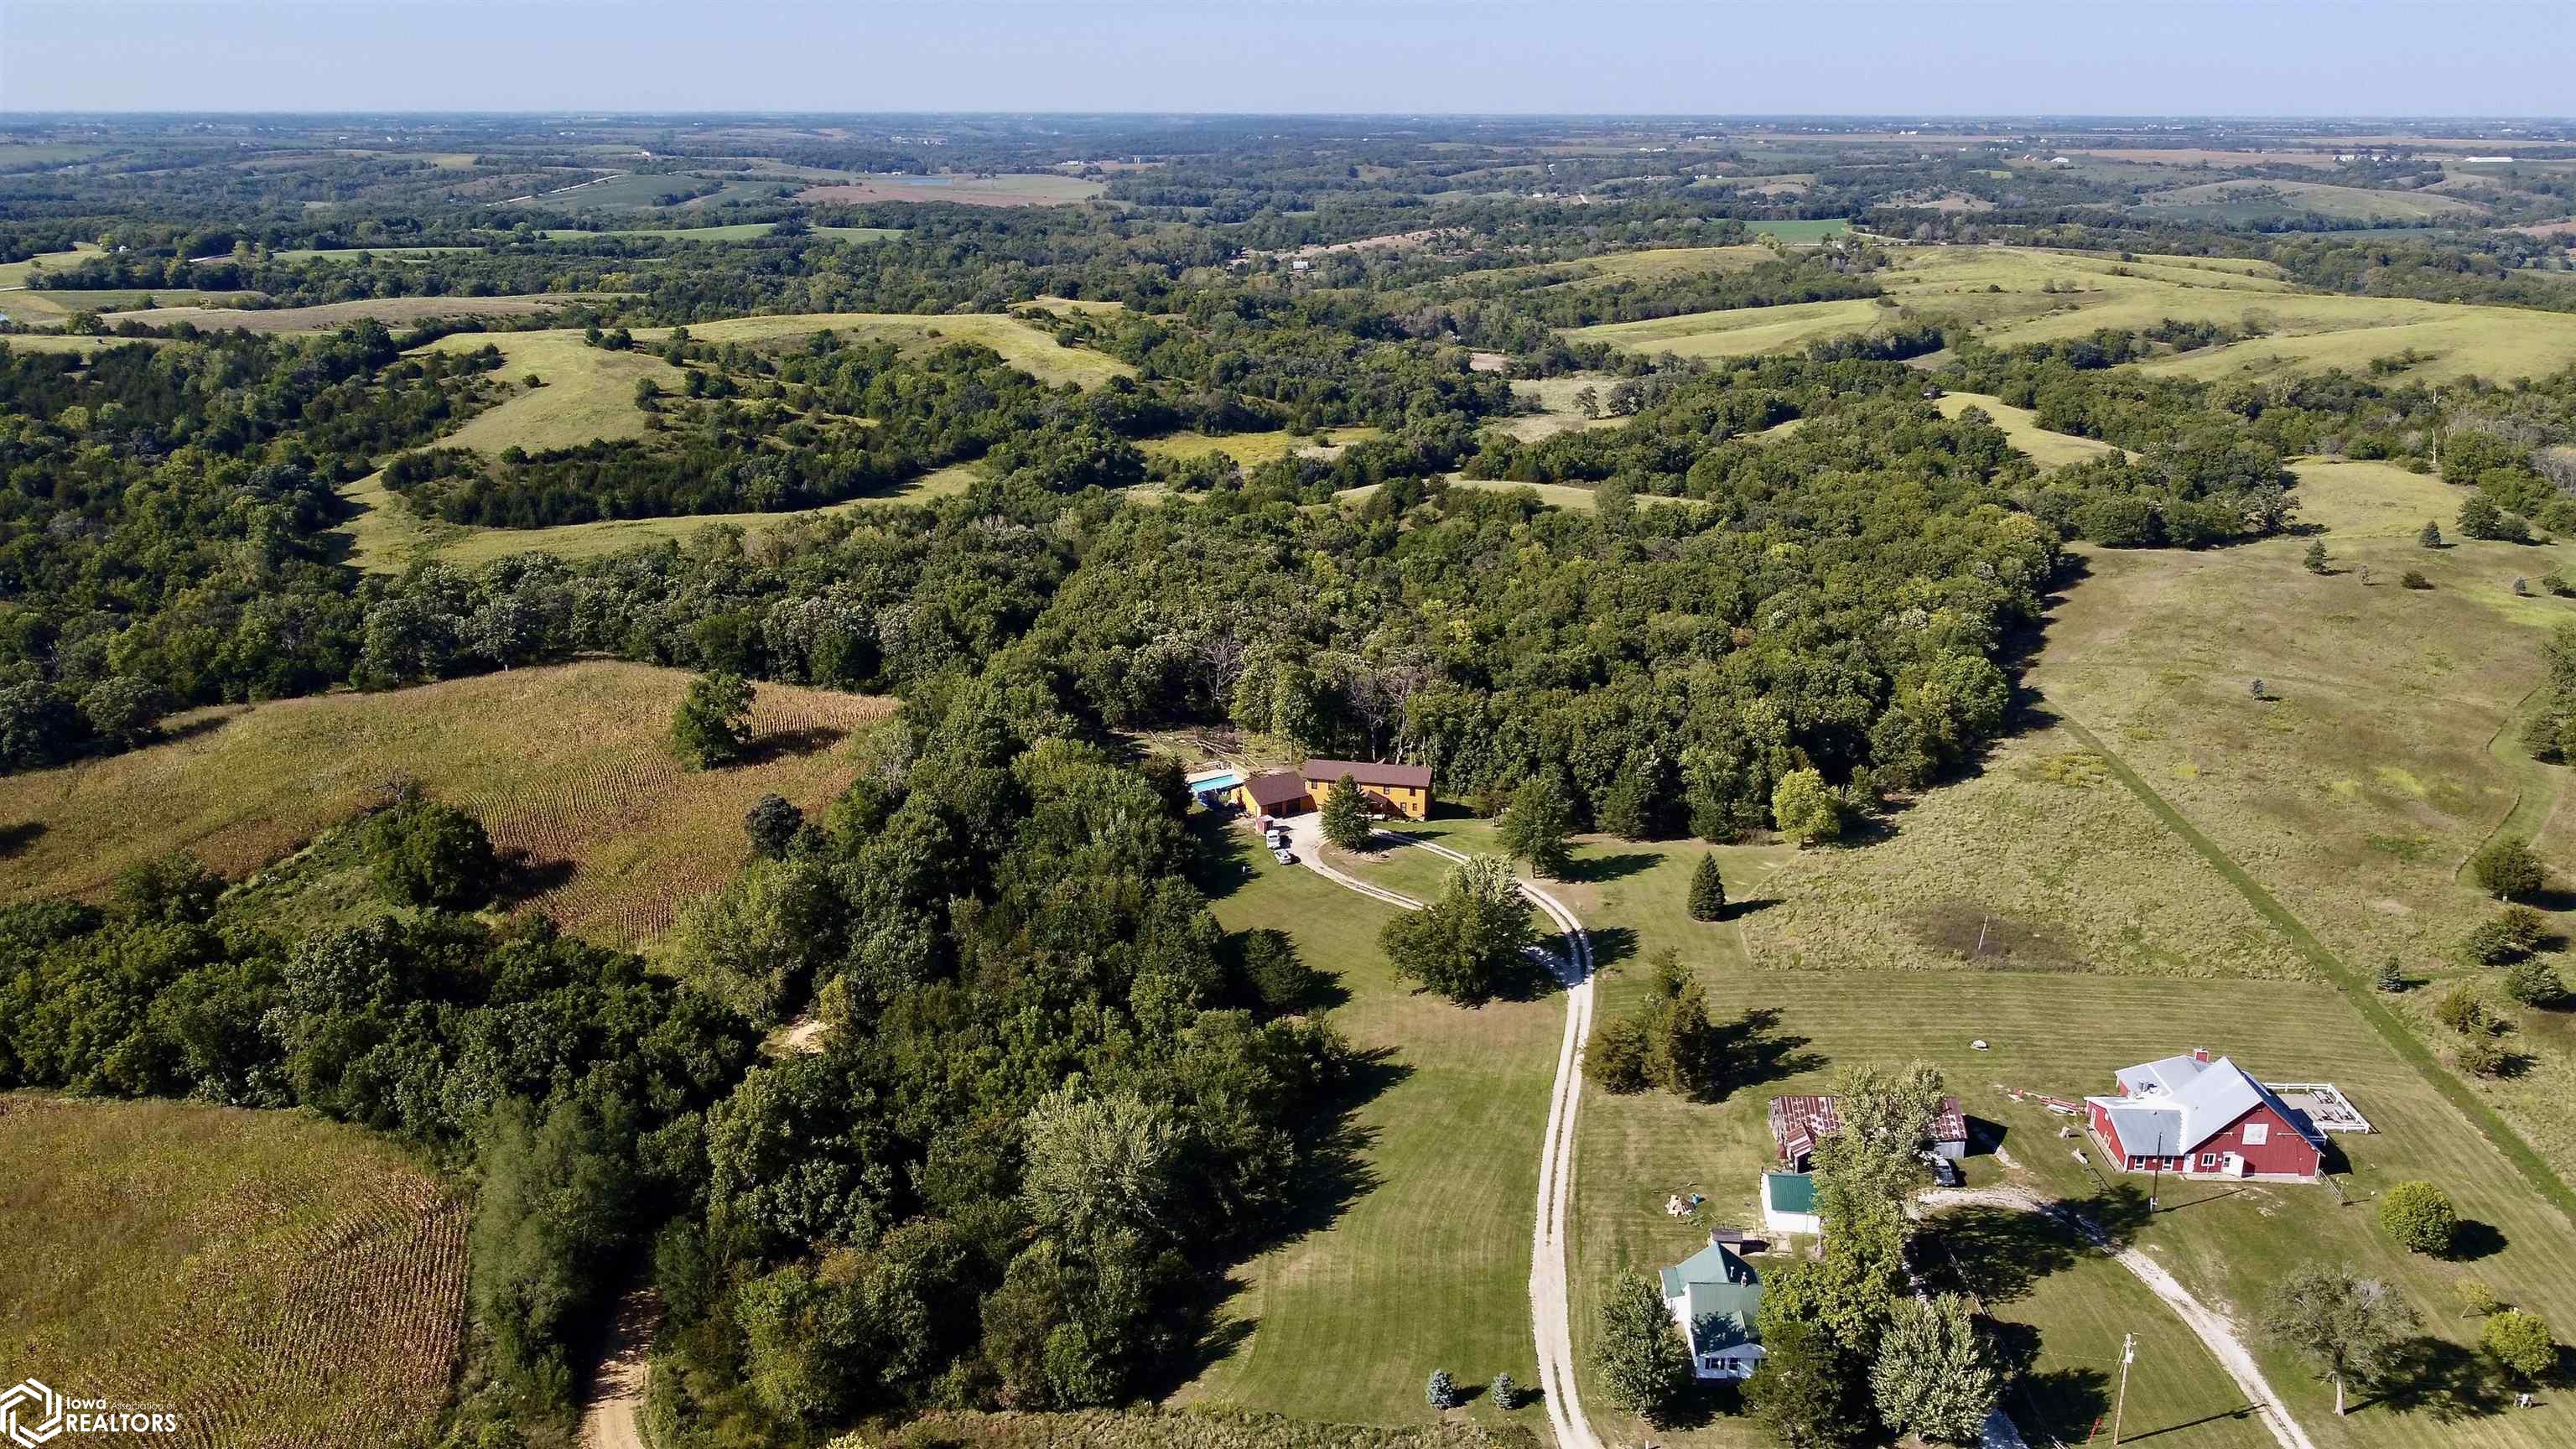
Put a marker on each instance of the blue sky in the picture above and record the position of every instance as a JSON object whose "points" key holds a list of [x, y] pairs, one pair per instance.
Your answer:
{"points": [[1936, 57]]}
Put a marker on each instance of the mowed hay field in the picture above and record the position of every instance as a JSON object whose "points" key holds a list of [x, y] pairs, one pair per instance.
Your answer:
{"points": [[1251, 450], [567, 765], [276, 1279], [2303, 331], [1418, 1255]]}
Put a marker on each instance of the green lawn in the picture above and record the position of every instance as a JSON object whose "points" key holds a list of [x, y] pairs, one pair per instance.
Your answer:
{"points": [[1427, 1263]]}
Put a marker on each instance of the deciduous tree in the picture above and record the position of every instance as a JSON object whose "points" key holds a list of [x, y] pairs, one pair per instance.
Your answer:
{"points": [[1644, 1366], [1936, 1375], [2348, 1328]]}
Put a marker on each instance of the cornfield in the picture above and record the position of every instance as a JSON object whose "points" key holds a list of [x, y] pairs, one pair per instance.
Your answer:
{"points": [[278, 1281]]}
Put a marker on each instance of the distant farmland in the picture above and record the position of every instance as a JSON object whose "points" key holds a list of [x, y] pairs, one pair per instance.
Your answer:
{"points": [[1006, 190], [568, 764], [2011, 295], [279, 1280]]}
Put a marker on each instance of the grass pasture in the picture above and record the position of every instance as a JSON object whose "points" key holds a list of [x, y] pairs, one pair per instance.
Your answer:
{"points": [[1998, 291], [1420, 1257], [588, 392], [37, 308], [2253, 199], [1029, 348], [2047, 449], [329, 316], [386, 537], [20, 273], [738, 231], [275, 1278], [567, 766], [1251, 450]]}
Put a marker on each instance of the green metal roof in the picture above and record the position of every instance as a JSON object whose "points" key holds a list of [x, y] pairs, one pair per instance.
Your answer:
{"points": [[1789, 1192], [1720, 1295]]}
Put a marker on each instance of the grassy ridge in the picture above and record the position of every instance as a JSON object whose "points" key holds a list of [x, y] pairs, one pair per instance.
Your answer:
{"points": [[567, 764]]}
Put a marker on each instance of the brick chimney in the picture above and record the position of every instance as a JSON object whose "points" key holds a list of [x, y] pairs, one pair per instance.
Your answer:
{"points": [[2200, 1054]]}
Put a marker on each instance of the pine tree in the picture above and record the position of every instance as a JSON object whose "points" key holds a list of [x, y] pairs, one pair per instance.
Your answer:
{"points": [[1707, 891], [1345, 818], [1505, 1394], [2431, 536], [1442, 1392], [2316, 559]]}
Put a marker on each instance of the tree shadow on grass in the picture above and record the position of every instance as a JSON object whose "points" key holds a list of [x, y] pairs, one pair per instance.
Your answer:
{"points": [[1611, 945], [14, 839], [1998, 1254], [2472, 1240], [2442, 1381], [1752, 1050], [2060, 1405], [1593, 870], [1221, 865]]}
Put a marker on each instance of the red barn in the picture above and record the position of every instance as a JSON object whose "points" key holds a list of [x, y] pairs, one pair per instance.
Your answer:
{"points": [[2198, 1117]]}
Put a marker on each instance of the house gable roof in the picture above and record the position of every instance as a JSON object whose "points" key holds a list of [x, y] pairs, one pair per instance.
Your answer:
{"points": [[2176, 1103], [1720, 1295], [1275, 789], [1383, 775]]}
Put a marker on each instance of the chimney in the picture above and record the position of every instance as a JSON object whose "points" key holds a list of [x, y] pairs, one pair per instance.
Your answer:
{"points": [[2200, 1054]]}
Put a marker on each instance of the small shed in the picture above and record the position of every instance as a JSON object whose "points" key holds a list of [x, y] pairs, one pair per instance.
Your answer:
{"points": [[1789, 1203]]}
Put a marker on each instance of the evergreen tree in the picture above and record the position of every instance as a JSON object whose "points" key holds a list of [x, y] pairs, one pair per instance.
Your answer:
{"points": [[1707, 891], [1441, 1392], [2430, 536], [2316, 559], [1505, 1393], [1345, 817]]}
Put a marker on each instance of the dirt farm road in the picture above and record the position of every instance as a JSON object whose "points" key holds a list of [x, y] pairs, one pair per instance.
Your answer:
{"points": [[1551, 1306], [2206, 1324]]}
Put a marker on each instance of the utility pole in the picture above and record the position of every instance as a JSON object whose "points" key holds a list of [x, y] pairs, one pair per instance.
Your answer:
{"points": [[2128, 1355]]}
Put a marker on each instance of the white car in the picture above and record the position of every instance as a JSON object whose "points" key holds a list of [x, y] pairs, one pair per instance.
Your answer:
{"points": [[1280, 853]]}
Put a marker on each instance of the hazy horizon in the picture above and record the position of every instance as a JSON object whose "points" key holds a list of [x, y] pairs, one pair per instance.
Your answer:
{"points": [[2499, 60]]}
